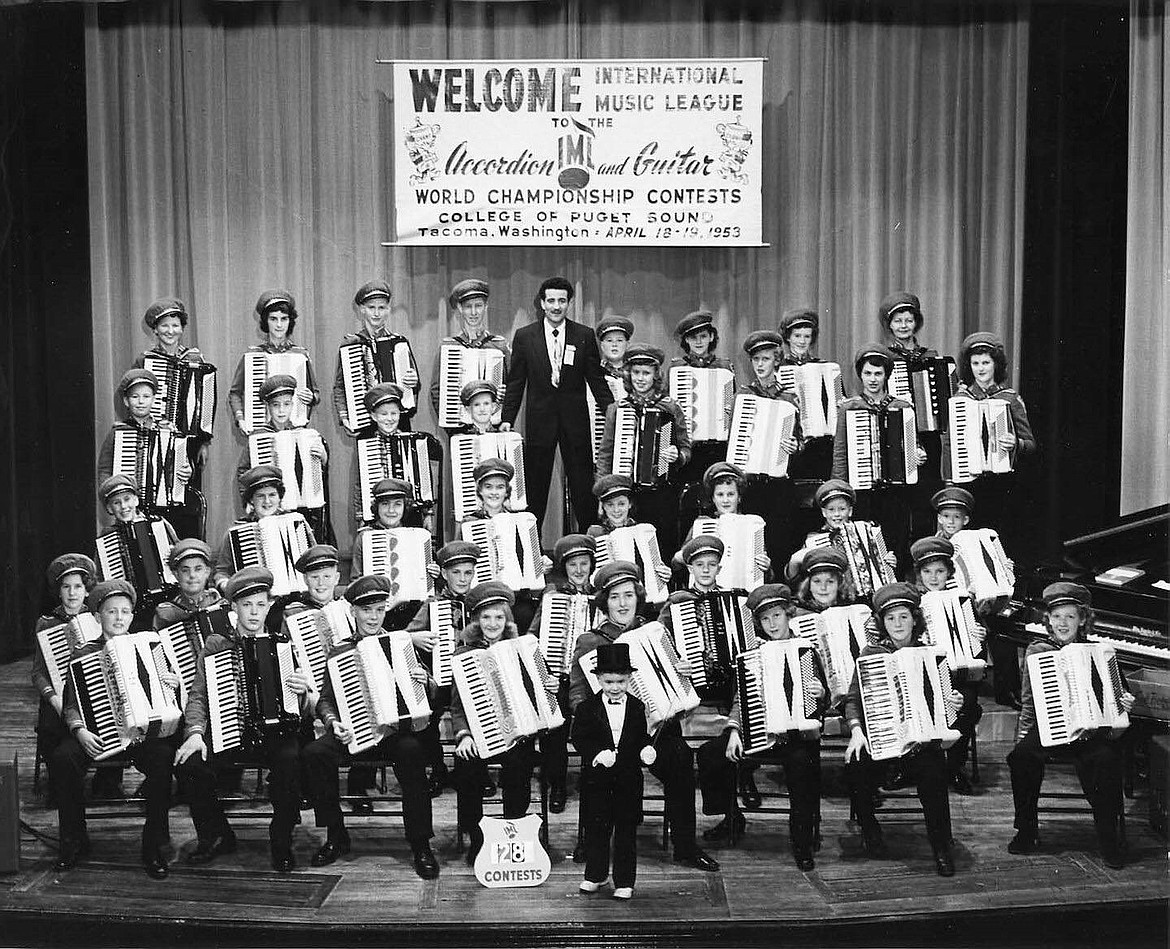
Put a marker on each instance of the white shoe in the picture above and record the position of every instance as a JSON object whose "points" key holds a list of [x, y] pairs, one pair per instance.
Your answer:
{"points": [[623, 893], [588, 886]]}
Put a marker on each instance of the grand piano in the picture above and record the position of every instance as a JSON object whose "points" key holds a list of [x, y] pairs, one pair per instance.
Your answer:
{"points": [[1126, 566]]}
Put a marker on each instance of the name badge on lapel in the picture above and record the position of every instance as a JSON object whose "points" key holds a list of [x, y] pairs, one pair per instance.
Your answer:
{"points": [[570, 355]]}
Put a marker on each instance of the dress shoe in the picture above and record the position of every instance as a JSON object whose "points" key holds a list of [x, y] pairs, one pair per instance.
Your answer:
{"points": [[623, 893], [579, 855], [1025, 841], [362, 806], [589, 886], [207, 850], [961, 783], [556, 798], [425, 863], [804, 859], [749, 794], [944, 864], [723, 830], [1112, 857], [698, 859], [872, 840], [897, 780], [489, 788], [335, 846], [283, 862], [71, 853], [155, 866]]}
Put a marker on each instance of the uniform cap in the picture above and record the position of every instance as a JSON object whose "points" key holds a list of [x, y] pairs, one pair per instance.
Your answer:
{"points": [[188, 548], [383, 392], [1064, 592], [367, 590], [248, 581], [873, 351], [761, 339], [612, 323], [824, 558], [389, 488], [115, 484], [458, 551], [953, 497], [271, 299], [259, 477], [721, 471], [897, 301], [835, 488], [693, 322], [491, 467], [467, 290], [645, 355], [611, 485], [133, 377], [794, 319], [477, 387], [61, 567], [615, 572], [371, 291], [571, 545], [979, 342], [279, 384], [317, 556], [895, 594], [931, 548], [166, 306], [701, 544], [106, 589], [488, 594], [769, 595]]}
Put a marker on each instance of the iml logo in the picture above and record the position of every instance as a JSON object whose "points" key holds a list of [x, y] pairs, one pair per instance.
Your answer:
{"points": [[575, 155]]}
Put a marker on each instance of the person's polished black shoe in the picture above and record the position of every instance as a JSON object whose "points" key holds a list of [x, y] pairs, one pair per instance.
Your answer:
{"points": [[207, 850], [961, 783], [489, 788], [425, 864], [556, 798], [283, 862], [944, 864], [155, 866], [804, 859], [362, 806], [872, 840], [335, 846], [699, 859], [71, 854], [723, 830], [749, 794], [1025, 841]]}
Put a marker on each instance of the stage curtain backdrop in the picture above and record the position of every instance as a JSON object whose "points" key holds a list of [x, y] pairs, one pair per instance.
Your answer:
{"points": [[238, 147], [1145, 445]]}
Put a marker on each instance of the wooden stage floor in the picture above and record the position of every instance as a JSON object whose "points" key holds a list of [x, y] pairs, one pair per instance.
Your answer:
{"points": [[1064, 893]]}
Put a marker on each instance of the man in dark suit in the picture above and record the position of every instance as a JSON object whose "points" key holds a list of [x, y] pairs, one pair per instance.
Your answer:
{"points": [[553, 359]]}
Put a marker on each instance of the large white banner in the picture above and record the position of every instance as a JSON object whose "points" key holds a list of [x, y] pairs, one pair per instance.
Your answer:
{"points": [[613, 151]]}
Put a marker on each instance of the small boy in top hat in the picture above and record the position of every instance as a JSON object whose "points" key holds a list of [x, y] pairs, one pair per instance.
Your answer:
{"points": [[610, 733]]}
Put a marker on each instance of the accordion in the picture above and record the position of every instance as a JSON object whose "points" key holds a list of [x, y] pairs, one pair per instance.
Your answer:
{"points": [[818, 389], [58, 643], [951, 626], [292, 452], [276, 542], [184, 640], [467, 451], [308, 630], [138, 553], [928, 388], [981, 565], [120, 693], [743, 546], [247, 698], [459, 365], [1076, 689], [507, 693], [374, 688], [774, 683], [405, 455], [337, 624], [511, 543], [258, 366], [656, 681], [597, 414], [186, 394], [905, 696], [153, 457], [447, 619], [864, 547], [710, 631], [757, 425], [973, 440], [640, 440], [638, 544], [364, 365], [706, 397], [563, 617], [839, 635], [882, 447], [401, 554]]}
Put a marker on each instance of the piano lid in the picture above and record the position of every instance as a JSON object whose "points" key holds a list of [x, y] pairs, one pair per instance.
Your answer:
{"points": [[1126, 566]]}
